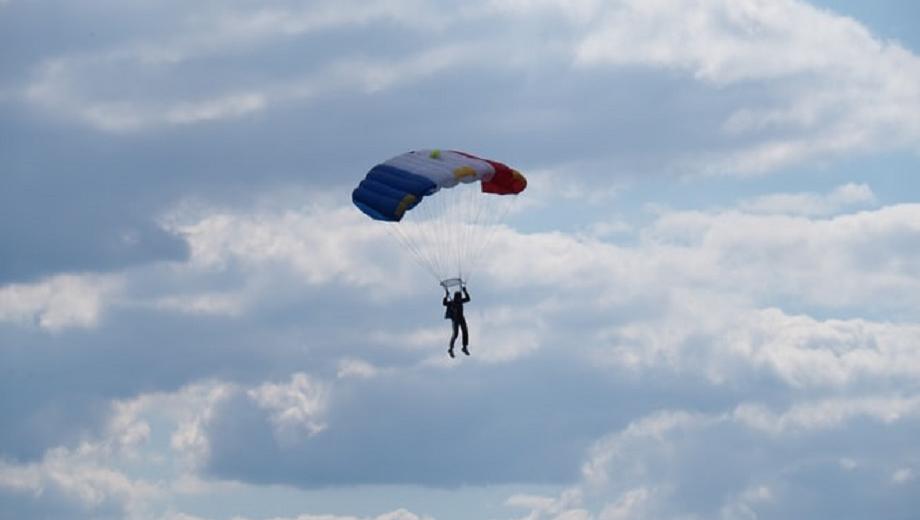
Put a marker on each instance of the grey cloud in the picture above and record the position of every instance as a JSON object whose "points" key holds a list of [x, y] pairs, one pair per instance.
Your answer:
{"points": [[48, 404], [75, 203], [524, 424], [706, 467]]}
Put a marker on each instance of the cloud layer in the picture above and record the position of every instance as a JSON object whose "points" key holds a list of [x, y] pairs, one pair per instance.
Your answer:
{"points": [[703, 308]]}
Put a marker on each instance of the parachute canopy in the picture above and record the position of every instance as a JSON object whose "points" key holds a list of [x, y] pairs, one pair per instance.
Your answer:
{"points": [[399, 184], [449, 222]]}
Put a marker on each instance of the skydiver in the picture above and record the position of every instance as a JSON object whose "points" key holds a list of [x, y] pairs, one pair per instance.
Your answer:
{"points": [[454, 312]]}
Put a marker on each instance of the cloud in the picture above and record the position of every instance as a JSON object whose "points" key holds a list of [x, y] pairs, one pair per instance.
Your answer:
{"points": [[356, 368], [630, 505], [851, 268], [826, 415], [799, 48], [55, 91], [368, 439], [694, 296], [89, 220], [616, 449], [126, 472], [811, 204], [645, 327], [863, 255], [902, 475], [744, 262], [193, 316], [807, 99], [399, 514], [321, 244], [707, 39], [59, 302], [68, 85], [650, 467], [73, 482], [800, 351], [229, 304], [192, 409], [294, 407], [182, 99], [566, 507]]}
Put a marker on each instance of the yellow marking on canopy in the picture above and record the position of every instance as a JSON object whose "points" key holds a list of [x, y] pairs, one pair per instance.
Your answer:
{"points": [[404, 204], [435, 154], [464, 171], [519, 176]]}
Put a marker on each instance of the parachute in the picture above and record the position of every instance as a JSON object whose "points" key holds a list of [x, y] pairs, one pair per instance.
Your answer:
{"points": [[444, 207]]}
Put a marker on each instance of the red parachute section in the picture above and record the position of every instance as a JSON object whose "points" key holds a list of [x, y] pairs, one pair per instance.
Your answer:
{"points": [[506, 181]]}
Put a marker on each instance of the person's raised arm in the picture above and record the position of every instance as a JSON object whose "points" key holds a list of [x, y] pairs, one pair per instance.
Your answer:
{"points": [[466, 295]]}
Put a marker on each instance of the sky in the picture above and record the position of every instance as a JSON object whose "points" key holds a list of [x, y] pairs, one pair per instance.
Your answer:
{"points": [[706, 304]]}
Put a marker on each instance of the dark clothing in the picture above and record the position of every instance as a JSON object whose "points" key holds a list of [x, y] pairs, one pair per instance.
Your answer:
{"points": [[460, 324], [454, 312]]}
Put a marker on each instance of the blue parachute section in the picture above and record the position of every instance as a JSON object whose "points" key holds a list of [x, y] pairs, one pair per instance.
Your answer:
{"points": [[388, 192]]}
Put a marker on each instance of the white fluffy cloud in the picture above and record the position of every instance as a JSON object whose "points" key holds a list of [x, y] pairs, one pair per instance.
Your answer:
{"points": [[87, 478], [320, 244], [811, 204], [295, 407], [827, 414], [834, 262], [79, 482], [727, 342], [59, 302], [838, 88]]}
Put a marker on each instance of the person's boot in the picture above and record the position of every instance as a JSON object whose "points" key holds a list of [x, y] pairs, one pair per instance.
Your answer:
{"points": [[450, 352], [465, 351]]}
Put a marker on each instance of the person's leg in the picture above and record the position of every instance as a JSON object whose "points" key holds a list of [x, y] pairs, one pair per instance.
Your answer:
{"points": [[466, 336], [453, 338]]}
